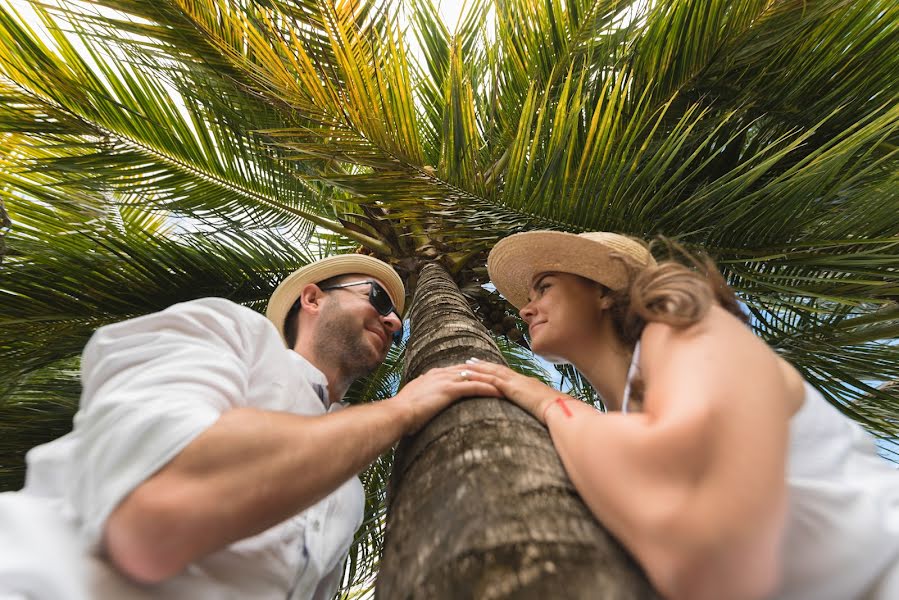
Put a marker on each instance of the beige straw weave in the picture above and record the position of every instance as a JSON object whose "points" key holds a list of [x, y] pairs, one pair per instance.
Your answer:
{"points": [[598, 255]]}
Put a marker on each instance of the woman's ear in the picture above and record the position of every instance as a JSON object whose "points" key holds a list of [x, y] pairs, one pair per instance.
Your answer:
{"points": [[604, 300]]}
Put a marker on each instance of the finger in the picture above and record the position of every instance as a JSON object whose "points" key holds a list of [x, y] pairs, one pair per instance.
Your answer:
{"points": [[454, 370], [497, 382], [488, 367], [456, 367], [493, 378], [451, 372], [459, 374], [480, 368], [477, 388]]}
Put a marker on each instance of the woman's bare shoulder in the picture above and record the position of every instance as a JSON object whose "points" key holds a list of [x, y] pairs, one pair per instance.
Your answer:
{"points": [[795, 385], [659, 340], [716, 357], [717, 329]]}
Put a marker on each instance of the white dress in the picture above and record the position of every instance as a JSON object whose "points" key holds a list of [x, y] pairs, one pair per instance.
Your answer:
{"points": [[842, 533], [150, 386]]}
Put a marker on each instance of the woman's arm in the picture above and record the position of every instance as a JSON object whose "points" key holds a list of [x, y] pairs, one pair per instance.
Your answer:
{"points": [[638, 473], [645, 482], [694, 486]]}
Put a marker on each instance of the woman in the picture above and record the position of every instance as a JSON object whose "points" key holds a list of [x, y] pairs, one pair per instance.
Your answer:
{"points": [[724, 473]]}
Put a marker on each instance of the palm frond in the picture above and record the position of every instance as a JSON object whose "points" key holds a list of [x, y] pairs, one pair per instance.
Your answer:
{"points": [[153, 151], [75, 272], [140, 139], [365, 551], [35, 409]]}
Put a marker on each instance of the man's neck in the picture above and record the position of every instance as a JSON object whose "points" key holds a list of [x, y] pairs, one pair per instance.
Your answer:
{"points": [[338, 384]]}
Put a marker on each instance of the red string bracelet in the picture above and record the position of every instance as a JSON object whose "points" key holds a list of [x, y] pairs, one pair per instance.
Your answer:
{"points": [[560, 400]]}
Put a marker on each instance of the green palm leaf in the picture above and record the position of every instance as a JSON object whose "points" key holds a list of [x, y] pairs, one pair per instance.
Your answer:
{"points": [[153, 151]]}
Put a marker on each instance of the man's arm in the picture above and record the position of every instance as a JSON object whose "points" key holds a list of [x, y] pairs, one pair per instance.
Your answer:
{"points": [[253, 469]]}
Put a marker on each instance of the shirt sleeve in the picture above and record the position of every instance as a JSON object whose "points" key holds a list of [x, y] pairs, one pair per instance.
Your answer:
{"points": [[328, 584], [150, 386]]}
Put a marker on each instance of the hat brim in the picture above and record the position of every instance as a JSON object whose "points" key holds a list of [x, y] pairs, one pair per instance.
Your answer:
{"points": [[516, 260], [344, 264]]}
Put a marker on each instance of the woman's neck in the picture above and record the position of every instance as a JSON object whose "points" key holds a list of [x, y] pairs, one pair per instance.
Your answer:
{"points": [[605, 364]]}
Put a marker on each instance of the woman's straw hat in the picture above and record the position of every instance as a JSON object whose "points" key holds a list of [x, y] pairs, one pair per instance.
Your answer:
{"points": [[344, 264], [604, 257]]}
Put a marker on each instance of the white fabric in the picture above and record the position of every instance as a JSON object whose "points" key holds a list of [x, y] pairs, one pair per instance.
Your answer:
{"points": [[150, 386], [842, 536], [842, 532]]}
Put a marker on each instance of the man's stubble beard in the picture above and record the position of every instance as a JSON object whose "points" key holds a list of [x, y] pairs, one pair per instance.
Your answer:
{"points": [[340, 341]]}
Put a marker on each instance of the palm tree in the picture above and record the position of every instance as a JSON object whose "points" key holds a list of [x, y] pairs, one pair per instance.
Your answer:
{"points": [[479, 504], [153, 151]]}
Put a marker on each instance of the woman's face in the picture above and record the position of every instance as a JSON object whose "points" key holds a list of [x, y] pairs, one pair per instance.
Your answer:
{"points": [[562, 314]]}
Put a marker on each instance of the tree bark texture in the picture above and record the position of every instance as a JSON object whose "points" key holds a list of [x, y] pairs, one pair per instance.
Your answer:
{"points": [[479, 504]]}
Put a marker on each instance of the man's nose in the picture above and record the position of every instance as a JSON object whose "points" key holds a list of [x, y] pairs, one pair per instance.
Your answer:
{"points": [[392, 322]]}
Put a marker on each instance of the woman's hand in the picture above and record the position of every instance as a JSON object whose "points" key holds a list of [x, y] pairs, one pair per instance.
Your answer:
{"points": [[426, 395], [530, 394]]}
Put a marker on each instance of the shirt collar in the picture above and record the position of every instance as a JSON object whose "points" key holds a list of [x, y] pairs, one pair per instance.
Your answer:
{"points": [[317, 380]]}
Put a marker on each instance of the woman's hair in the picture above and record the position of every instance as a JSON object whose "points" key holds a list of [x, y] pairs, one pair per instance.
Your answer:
{"points": [[677, 291]]}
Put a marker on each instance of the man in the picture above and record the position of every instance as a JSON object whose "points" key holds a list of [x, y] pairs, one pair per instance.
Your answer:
{"points": [[209, 457]]}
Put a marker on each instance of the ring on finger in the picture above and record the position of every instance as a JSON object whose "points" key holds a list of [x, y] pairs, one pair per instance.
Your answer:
{"points": [[463, 375]]}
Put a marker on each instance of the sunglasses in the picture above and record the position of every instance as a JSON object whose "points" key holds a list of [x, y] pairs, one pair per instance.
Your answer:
{"points": [[379, 298]]}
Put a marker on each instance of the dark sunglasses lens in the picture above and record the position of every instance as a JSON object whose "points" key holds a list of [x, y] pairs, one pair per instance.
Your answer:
{"points": [[380, 300]]}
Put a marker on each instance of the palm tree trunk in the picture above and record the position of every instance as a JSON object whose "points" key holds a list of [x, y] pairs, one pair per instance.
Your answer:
{"points": [[479, 504]]}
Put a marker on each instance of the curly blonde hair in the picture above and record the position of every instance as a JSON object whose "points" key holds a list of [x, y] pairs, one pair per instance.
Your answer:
{"points": [[678, 291]]}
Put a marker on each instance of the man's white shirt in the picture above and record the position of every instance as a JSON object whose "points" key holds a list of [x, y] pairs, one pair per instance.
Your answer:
{"points": [[150, 386]]}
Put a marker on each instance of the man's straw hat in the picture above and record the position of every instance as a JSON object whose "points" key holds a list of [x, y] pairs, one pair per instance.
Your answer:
{"points": [[344, 264], [601, 256]]}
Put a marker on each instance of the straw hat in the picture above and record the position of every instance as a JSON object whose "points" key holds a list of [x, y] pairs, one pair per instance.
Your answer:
{"points": [[601, 256], [344, 264]]}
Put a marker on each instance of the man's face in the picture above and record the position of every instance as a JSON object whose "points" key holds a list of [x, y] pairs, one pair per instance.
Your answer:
{"points": [[350, 332]]}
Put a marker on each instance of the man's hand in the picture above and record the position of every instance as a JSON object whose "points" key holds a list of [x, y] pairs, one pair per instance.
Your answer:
{"points": [[530, 394], [425, 396]]}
